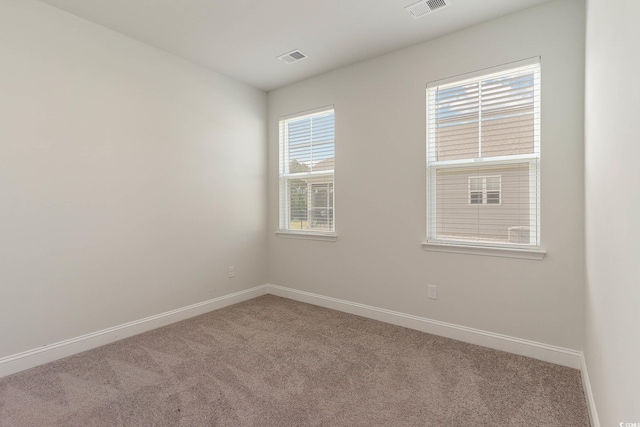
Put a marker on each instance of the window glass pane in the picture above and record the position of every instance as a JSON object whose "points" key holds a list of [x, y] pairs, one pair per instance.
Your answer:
{"points": [[320, 195], [456, 119], [299, 138], [321, 219], [475, 198], [482, 216], [508, 93], [297, 204], [508, 115], [295, 166], [493, 183], [475, 183], [493, 197], [458, 141], [507, 135], [311, 143], [326, 164]]}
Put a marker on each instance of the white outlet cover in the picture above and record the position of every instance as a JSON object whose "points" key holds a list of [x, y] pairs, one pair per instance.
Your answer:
{"points": [[431, 292]]}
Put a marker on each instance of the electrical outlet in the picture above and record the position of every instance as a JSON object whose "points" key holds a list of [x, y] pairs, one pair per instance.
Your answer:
{"points": [[431, 292], [232, 271]]}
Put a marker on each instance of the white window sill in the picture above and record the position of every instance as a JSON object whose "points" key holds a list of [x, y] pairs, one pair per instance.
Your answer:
{"points": [[522, 253], [306, 235]]}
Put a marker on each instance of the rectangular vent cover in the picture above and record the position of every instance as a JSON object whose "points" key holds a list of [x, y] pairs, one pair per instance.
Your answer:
{"points": [[291, 57], [423, 7]]}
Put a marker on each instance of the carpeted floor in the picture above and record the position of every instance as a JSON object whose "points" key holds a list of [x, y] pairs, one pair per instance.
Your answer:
{"points": [[276, 362]]}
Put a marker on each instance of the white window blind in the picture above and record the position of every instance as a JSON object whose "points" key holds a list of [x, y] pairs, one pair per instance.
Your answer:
{"points": [[483, 157], [307, 161]]}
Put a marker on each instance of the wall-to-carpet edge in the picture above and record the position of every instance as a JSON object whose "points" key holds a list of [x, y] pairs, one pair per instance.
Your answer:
{"points": [[536, 350]]}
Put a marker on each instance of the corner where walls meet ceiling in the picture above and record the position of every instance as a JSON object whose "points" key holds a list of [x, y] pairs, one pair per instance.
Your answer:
{"points": [[242, 38]]}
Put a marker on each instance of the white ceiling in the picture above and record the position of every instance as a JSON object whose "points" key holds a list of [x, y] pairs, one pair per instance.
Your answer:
{"points": [[241, 38]]}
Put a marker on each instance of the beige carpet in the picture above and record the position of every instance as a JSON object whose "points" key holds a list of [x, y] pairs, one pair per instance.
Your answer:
{"points": [[276, 362]]}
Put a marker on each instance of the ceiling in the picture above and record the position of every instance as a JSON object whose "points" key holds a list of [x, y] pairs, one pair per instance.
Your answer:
{"points": [[241, 38]]}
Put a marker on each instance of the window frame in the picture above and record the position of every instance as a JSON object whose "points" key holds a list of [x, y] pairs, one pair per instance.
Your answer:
{"points": [[531, 251], [311, 178]]}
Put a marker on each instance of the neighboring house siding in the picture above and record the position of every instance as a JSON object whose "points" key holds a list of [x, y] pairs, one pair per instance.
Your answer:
{"points": [[458, 219], [459, 139]]}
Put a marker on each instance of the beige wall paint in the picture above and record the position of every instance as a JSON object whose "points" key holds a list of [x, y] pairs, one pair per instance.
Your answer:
{"points": [[129, 179], [380, 185], [612, 309]]}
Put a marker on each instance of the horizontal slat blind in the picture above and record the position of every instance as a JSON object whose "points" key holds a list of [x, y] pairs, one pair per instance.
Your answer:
{"points": [[307, 159], [483, 158]]}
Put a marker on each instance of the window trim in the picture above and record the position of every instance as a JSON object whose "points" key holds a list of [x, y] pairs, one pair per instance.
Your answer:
{"points": [[478, 248], [283, 198], [307, 235], [521, 252]]}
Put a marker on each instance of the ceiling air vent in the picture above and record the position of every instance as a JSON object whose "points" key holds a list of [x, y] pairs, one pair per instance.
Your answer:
{"points": [[291, 57], [421, 8]]}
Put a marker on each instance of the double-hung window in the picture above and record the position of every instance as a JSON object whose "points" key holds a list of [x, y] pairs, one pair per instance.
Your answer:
{"points": [[307, 161], [483, 158]]}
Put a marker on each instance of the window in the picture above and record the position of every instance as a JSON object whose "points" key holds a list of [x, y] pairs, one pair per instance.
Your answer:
{"points": [[484, 190], [483, 158], [306, 172]]}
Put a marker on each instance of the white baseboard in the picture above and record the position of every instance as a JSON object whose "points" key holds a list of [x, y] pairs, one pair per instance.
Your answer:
{"points": [[558, 355], [536, 350], [588, 393], [29, 359]]}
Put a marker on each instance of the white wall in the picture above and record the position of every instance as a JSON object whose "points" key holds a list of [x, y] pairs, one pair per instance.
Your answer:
{"points": [[380, 185], [612, 311], [129, 179]]}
